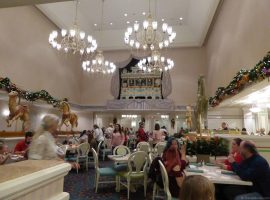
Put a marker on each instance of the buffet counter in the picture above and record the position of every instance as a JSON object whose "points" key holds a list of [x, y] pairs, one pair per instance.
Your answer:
{"points": [[33, 179], [262, 142]]}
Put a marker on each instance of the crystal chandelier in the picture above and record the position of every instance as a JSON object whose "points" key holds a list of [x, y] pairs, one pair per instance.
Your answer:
{"points": [[99, 65], [155, 62], [149, 35], [73, 40]]}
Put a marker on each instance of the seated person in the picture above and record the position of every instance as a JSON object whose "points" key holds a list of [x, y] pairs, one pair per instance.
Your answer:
{"points": [[22, 146], [253, 168], [174, 161], [197, 187], [235, 153], [92, 141], [4, 154], [224, 126]]}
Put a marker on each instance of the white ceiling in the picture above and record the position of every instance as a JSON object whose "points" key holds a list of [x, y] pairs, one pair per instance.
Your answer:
{"points": [[191, 31]]}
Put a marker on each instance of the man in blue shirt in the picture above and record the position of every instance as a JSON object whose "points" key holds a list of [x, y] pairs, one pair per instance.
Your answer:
{"points": [[253, 168]]}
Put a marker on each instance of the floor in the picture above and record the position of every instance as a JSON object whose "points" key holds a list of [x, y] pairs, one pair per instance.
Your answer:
{"points": [[81, 187]]}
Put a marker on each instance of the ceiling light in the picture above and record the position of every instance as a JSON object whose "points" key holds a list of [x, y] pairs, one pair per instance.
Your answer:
{"points": [[181, 18], [111, 23], [162, 20], [149, 35], [73, 40], [255, 109], [128, 22], [125, 14], [95, 24], [155, 63], [143, 13]]}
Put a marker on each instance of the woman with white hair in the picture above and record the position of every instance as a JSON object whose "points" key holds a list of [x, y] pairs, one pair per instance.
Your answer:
{"points": [[43, 146]]}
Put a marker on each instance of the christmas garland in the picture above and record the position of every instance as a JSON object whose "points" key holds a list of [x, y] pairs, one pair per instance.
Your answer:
{"points": [[8, 86], [243, 79]]}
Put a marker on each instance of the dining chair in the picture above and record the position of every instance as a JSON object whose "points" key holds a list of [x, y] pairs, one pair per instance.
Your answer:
{"points": [[82, 154], [165, 180], [159, 148], [103, 172], [103, 149], [137, 165], [143, 146], [121, 150]]}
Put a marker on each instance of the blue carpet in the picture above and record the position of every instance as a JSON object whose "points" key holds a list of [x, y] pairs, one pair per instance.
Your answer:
{"points": [[81, 187]]}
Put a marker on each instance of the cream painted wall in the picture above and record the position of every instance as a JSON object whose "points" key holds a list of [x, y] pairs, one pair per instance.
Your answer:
{"points": [[189, 64], [239, 39], [27, 58]]}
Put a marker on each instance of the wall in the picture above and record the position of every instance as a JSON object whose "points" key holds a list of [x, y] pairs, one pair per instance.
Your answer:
{"points": [[239, 39], [27, 58], [189, 64]]}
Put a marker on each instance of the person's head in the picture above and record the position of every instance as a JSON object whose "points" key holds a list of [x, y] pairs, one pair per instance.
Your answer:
{"points": [[172, 144], [111, 125], [244, 129], [157, 127], [28, 137], [117, 128], [141, 124], [247, 149], [236, 144], [50, 123], [223, 125], [95, 126], [197, 187], [182, 128]]}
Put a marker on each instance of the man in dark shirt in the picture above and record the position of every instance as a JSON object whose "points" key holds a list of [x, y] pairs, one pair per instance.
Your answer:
{"points": [[253, 168], [22, 146]]}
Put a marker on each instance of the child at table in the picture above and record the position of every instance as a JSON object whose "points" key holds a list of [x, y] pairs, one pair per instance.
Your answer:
{"points": [[4, 153], [235, 153]]}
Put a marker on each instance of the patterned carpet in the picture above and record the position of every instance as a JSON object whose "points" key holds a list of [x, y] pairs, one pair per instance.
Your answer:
{"points": [[81, 187]]}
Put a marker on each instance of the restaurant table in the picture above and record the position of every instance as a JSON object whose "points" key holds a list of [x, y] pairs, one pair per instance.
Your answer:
{"points": [[119, 158], [217, 175]]}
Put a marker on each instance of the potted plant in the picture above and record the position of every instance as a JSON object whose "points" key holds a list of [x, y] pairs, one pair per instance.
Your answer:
{"points": [[203, 148]]}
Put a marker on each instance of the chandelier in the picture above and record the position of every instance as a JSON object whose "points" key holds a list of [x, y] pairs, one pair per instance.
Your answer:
{"points": [[155, 62], [149, 35], [99, 65], [73, 40]]}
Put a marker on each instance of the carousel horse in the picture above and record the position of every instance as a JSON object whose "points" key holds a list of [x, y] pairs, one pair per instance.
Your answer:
{"points": [[17, 111], [67, 116]]}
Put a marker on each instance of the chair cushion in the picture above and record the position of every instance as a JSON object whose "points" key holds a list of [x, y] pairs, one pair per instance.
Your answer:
{"points": [[74, 159], [107, 171]]}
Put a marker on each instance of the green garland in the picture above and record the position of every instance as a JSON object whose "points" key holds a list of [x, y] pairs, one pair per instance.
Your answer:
{"points": [[8, 86], [243, 79]]}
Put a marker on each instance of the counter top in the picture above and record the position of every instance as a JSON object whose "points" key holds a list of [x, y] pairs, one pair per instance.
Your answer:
{"points": [[18, 169]]}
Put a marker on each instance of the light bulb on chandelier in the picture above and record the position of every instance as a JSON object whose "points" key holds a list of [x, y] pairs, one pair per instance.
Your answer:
{"points": [[149, 34], [99, 65], [73, 40], [155, 62]]}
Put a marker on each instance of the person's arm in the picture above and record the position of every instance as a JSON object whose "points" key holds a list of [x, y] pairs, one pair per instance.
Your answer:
{"points": [[122, 138], [3, 158], [250, 173], [183, 152], [179, 178]]}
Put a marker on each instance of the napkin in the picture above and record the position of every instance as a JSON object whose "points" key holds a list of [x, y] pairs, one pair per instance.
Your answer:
{"points": [[227, 172], [195, 170]]}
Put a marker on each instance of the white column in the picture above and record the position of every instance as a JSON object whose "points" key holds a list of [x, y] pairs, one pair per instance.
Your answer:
{"points": [[249, 120], [262, 118]]}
